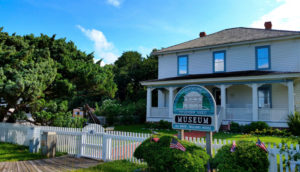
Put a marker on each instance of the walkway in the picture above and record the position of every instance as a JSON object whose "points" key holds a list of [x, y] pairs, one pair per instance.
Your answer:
{"points": [[63, 163]]}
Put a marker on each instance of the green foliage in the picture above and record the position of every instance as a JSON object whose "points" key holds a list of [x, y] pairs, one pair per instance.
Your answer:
{"points": [[252, 127], [130, 69], [39, 69], [125, 114], [55, 113], [271, 132], [294, 123], [235, 127], [258, 125], [246, 157], [160, 157], [159, 125]]}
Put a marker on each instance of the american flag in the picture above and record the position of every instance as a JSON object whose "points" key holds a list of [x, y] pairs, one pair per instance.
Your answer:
{"points": [[261, 145], [176, 145], [233, 147]]}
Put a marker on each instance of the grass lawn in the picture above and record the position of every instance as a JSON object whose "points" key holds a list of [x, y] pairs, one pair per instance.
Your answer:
{"points": [[12, 152], [249, 137], [114, 166], [141, 128]]}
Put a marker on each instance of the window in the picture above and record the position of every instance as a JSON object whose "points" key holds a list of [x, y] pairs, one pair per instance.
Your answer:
{"points": [[182, 65], [219, 61], [264, 96], [263, 57]]}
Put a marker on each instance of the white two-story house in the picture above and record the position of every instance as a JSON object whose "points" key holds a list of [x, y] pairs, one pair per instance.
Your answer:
{"points": [[253, 74]]}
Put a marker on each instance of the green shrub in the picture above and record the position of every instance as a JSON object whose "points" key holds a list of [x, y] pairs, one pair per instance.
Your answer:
{"points": [[159, 125], [246, 157], [160, 157], [271, 132], [235, 127], [258, 125], [294, 123]]}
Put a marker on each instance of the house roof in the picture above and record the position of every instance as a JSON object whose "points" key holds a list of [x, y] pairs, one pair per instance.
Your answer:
{"points": [[229, 36], [221, 75]]}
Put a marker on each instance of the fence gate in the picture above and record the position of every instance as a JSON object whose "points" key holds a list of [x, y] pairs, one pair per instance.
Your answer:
{"points": [[92, 141]]}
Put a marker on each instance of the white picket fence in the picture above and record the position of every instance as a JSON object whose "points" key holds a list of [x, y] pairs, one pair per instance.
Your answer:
{"points": [[94, 142]]}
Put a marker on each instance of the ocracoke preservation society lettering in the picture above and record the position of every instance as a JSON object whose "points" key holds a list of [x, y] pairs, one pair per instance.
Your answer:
{"points": [[193, 119]]}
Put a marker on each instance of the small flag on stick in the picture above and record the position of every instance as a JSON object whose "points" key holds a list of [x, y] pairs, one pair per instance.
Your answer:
{"points": [[261, 145], [233, 147], [176, 145]]}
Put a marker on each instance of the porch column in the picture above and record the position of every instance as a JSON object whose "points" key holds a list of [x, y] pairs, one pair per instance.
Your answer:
{"points": [[223, 97], [291, 100], [149, 101], [171, 96], [254, 102], [161, 98]]}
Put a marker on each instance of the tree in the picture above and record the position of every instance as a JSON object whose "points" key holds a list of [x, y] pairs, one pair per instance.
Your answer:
{"points": [[130, 69], [44, 68]]}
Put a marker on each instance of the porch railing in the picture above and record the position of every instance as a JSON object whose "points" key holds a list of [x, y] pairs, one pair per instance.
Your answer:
{"points": [[273, 114], [242, 114], [159, 112]]}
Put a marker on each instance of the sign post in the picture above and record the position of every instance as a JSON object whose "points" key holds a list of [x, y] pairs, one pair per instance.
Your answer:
{"points": [[194, 108]]}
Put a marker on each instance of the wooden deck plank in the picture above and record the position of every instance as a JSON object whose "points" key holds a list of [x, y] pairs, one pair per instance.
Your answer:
{"points": [[65, 163]]}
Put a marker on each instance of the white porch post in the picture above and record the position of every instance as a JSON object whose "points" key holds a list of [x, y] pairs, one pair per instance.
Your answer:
{"points": [[223, 97], [254, 102], [161, 98], [149, 101], [171, 96], [291, 100]]}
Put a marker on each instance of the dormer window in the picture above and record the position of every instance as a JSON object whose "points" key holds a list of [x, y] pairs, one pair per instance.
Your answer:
{"points": [[182, 65], [219, 61], [263, 57]]}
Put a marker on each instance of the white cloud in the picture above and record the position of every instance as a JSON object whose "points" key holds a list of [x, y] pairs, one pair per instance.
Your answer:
{"points": [[115, 3], [144, 51], [286, 16], [103, 48]]}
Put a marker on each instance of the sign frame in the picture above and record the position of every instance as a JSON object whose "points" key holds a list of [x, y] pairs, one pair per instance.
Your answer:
{"points": [[195, 115]]}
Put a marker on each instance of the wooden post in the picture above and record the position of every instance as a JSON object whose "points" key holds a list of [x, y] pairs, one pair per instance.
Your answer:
{"points": [[209, 143], [48, 144], [181, 134]]}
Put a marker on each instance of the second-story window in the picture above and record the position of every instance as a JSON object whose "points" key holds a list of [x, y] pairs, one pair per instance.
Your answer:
{"points": [[219, 61], [263, 57], [182, 65]]}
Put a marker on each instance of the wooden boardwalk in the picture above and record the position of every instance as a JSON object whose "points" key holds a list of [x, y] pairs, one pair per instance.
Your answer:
{"points": [[64, 163]]}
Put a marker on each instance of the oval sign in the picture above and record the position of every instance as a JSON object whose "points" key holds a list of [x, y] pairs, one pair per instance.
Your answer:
{"points": [[194, 108]]}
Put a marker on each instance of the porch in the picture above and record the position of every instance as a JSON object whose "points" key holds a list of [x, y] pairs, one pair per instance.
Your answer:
{"points": [[243, 102]]}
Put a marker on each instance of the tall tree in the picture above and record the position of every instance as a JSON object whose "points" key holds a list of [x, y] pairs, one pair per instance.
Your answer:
{"points": [[130, 69], [44, 68]]}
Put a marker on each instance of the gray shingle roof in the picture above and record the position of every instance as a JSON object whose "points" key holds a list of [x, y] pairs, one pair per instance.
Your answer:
{"points": [[227, 36]]}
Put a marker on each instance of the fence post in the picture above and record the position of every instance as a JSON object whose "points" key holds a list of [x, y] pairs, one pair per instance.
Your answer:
{"points": [[34, 134], [82, 144], [273, 161], [106, 147]]}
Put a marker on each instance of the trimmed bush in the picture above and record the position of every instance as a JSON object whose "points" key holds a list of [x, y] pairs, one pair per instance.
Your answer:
{"points": [[235, 127], [159, 125], [160, 157], [258, 125], [246, 157], [294, 123]]}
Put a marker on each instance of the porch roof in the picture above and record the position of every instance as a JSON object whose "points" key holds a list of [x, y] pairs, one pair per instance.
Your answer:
{"points": [[226, 76]]}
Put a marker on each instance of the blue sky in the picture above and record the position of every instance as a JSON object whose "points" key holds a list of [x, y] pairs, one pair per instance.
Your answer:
{"points": [[110, 27]]}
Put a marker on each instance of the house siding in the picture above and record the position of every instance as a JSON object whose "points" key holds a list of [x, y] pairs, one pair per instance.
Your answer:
{"points": [[238, 58], [297, 95]]}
